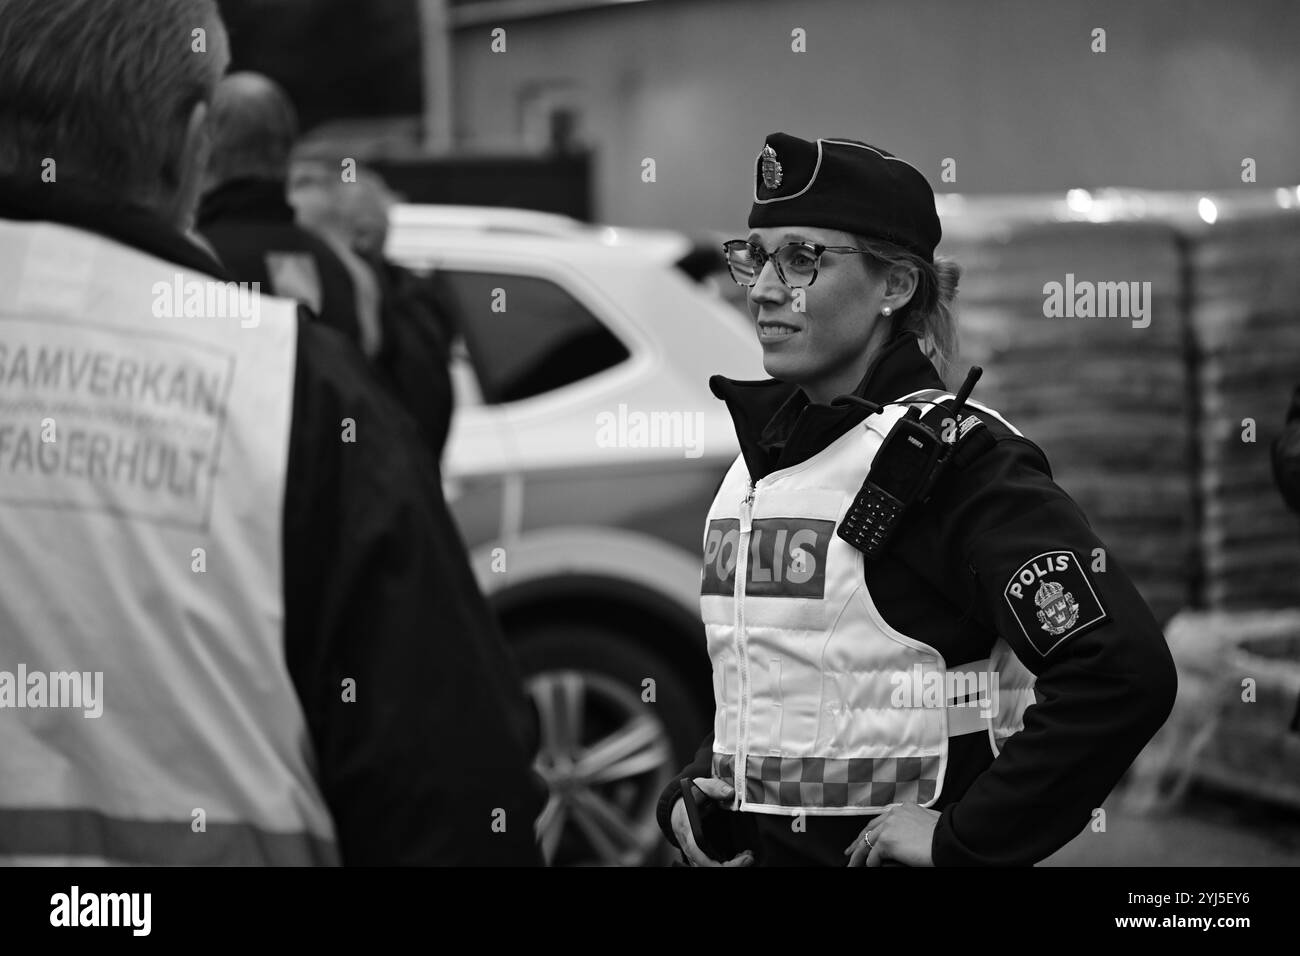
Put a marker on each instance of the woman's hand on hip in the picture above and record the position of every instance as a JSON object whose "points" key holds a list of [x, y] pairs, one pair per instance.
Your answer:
{"points": [[704, 788], [901, 834]]}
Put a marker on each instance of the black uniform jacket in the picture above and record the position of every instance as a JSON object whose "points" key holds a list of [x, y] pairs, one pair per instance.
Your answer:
{"points": [[377, 588], [1286, 456], [248, 222], [415, 355], [968, 566]]}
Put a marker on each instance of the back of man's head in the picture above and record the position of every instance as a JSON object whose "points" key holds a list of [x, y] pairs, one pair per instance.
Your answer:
{"points": [[254, 127], [108, 90]]}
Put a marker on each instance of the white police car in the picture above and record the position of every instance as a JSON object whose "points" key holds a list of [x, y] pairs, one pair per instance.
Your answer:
{"points": [[584, 452]]}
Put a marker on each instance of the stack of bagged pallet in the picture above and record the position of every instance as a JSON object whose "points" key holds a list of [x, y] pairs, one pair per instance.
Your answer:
{"points": [[1245, 315], [1108, 402], [1238, 684]]}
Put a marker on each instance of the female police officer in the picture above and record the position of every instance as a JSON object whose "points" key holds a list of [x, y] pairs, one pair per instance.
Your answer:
{"points": [[882, 709]]}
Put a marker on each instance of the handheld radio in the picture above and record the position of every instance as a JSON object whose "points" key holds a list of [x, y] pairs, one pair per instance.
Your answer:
{"points": [[906, 467]]}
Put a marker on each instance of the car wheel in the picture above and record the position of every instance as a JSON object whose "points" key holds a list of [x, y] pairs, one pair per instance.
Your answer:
{"points": [[606, 751]]}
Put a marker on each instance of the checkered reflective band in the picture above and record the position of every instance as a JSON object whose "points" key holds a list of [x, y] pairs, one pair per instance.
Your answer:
{"points": [[812, 782]]}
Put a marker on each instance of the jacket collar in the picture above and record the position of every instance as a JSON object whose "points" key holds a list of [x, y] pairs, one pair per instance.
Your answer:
{"points": [[114, 219], [246, 200], [778, 426]]}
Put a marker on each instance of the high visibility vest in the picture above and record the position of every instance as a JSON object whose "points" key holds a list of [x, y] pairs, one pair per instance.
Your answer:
{"points": [[146, 711], [821, 706]]}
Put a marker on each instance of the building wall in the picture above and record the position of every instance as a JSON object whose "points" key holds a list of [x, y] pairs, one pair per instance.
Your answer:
{"points": [[1010, 89]]}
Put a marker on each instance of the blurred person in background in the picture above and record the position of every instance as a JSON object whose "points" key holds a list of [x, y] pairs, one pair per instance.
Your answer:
{"points": [[244, 216], [838, 675], [1286, 456], [281, 653], [416, 332], [318, 180], [1286, 474]]}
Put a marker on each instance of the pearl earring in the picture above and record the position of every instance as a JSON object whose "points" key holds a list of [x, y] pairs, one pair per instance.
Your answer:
{"points": [[887, 311]]}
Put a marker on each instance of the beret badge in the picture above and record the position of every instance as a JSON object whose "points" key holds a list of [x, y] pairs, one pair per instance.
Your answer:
{"points": [[771, 169]]}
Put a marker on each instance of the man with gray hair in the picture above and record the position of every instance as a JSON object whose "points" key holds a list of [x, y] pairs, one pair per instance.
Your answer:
{"points": [[246, 219], [205, 500]]}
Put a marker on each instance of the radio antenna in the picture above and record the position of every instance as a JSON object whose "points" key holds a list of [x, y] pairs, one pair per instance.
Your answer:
{"points": [[967, 387]]}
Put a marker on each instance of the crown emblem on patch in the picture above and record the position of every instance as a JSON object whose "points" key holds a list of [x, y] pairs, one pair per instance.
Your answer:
{"points": [[1057, 610], [770, 168]]}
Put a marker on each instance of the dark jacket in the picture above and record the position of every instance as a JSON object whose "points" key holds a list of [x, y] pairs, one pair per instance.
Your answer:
{"points": [[250, 226], [1286, 456], [415, 356], [1102, 691], [1286, 474], [377, 588]]}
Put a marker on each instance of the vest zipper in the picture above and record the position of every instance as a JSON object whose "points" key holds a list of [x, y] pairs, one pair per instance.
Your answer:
{"points": [[742, 573]]}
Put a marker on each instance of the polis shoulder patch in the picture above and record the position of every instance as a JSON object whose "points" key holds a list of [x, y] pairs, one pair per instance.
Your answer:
{"points": [[967, 423], [1052, 600], [968, 433]]}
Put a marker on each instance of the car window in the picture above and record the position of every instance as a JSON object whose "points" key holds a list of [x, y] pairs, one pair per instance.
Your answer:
{"points": [[526, 335]]}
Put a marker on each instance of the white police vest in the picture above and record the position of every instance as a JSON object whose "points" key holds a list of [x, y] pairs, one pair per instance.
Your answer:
{"points": [[146, 711], [821, 706]]}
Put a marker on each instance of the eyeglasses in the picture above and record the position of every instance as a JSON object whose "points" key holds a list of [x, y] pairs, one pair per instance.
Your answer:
{"points": [[796, 262]]}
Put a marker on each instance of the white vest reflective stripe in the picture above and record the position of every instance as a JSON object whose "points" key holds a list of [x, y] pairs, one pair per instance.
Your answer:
{"points": [[129, 441], [821, 706]]}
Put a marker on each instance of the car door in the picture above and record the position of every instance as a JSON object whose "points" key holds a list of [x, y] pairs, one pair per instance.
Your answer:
{"points": [[530, 336]]}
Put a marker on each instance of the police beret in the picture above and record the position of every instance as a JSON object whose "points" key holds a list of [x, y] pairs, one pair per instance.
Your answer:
{"points": [[846, 185]]}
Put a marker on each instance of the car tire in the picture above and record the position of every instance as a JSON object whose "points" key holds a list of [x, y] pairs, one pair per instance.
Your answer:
{"points": [[610, 740]]}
